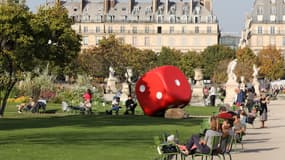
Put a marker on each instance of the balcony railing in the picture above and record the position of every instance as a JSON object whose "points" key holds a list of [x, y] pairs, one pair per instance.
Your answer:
{"points": [[91, 31]]}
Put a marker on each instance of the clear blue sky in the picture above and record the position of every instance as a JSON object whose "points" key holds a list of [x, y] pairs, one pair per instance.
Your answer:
{"points": [[231, 13]]}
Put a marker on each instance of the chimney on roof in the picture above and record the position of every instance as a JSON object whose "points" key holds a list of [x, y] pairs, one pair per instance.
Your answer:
{"points": [[166, 6], [190, 7], [113, 3], [106, 6], [155, 4], [207, 4], [131, 5]]}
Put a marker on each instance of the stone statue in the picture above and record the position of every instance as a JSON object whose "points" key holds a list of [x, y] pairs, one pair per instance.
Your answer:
{"points": [[255, 81], [231, 84], [255, 71], [111, 81], [231, 67], [198, 76], [111, 72], [129, 75]]}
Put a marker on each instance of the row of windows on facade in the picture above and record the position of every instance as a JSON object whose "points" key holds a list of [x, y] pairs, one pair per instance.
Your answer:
{"points": [[261, 42], [273, 9], [270, 30], [148, 10], [171, 41], [134, 29], [158, 19], [271, 18]]}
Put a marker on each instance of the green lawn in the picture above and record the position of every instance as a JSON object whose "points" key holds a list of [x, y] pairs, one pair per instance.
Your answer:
{"points": [[66, 136]]}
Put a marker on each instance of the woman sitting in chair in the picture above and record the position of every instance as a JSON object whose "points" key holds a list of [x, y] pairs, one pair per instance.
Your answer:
{"points": [[195, 144]]}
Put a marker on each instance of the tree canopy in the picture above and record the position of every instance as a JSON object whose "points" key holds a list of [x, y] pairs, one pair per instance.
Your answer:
{"points": [[212, 55], [30, 41], [112, 52], [189, 61], [246, 59], [271, 63]]}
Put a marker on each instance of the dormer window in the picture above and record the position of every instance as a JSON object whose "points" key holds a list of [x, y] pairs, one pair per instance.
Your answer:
{"points": [[197, 10], [172, 10], [148, 10], [75, 9], [259, 10], [184, 19], [160, 10], [136, 10], [273, 10], [185, 10], [172, 19]]}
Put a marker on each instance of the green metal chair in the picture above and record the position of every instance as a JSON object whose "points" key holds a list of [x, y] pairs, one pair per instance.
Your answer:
{"points": [[226, 146], [213, 151], [166, 150]]}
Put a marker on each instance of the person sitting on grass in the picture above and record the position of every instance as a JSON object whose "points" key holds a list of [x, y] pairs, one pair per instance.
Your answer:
{"points": [[196, 144], [41, 104], [130, 105], [26, 107], [115, 106]]}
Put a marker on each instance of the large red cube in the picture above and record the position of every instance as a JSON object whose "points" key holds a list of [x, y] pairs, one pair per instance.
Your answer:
{"points": [[162, 88]]}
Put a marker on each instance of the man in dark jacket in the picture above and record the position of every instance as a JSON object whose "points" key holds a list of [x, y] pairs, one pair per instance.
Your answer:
{"points": [[130, 105]]}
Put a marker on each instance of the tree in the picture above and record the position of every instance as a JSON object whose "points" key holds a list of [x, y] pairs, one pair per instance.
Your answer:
{"points": [[111, 52], [139, 60], [211, 57], [29, 41], [55, 41], [188, 62], [168, 56], [271, 63], [220, 75], [245, 61]]}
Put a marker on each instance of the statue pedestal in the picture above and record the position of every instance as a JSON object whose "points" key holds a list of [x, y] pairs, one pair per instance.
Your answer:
{"points": [[256, 85], [125, 92], [197, 95], [230, 92], [111, 85]]}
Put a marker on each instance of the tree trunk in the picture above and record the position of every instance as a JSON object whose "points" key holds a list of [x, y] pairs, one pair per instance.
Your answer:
{"points": [[7, 87], [7, 92]]}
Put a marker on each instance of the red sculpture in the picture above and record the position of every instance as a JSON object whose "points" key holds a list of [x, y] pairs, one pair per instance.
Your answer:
{"points": [[162, 88]]}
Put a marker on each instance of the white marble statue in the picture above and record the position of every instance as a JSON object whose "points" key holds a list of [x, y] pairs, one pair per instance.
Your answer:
{"points": [[129, 74], [231, 84], [198, 76], [255, 81], [111, 72], [231, 67], [111, 81], [255, 71]]}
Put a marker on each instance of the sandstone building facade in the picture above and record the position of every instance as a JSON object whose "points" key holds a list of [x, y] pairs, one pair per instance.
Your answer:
{"points": [[146, 24]]}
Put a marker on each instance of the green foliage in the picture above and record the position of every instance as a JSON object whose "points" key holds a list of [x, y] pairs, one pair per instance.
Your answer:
{"points": [[245, 61], [271, 63], [220, 75], [212, 55], [35, 86], [55, 41], [111, 52], [32, 41], [168, 56], [188, 62], [68, 136]]}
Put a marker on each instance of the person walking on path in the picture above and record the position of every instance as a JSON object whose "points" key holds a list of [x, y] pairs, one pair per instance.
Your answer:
{"points": [[212, 95], [269, 142], [264, 100]]}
